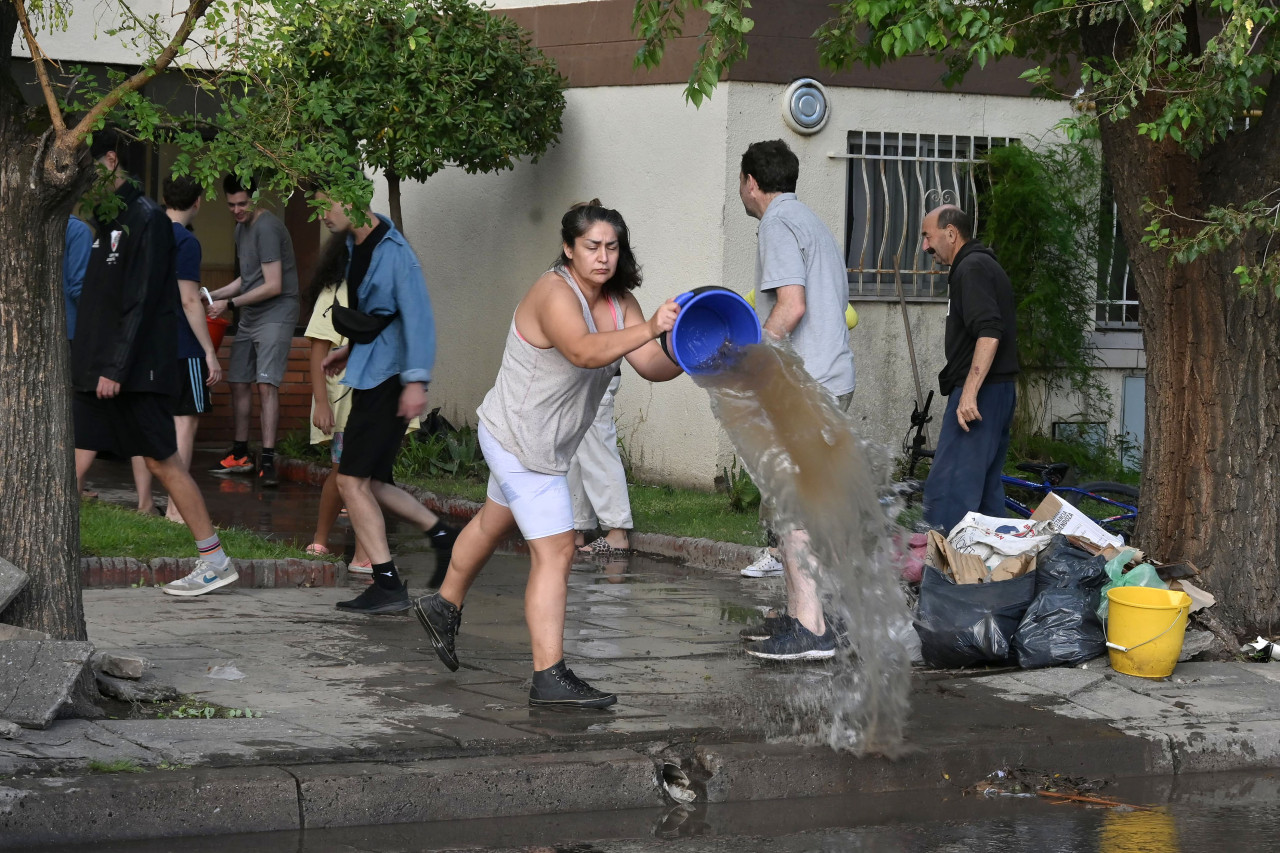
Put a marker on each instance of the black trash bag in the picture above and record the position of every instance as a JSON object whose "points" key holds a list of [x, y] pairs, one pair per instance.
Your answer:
{"points": [[1062, 565], [972, 623], [1060, 627]]}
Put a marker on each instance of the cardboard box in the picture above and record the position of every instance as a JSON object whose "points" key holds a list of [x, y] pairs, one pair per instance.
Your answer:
{"points": [[1068, 520], [970, 568]]}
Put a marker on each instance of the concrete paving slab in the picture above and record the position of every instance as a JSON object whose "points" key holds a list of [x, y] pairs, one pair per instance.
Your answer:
{"points": [[71, 743], [221, 742], [12, 581], [13, 632], [37, 677], [1118, 703]]}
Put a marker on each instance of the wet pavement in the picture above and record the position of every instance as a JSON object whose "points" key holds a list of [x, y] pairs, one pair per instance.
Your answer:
{"points": [[352, 720]]}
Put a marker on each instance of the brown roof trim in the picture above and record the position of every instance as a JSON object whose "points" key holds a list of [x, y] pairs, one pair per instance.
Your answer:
{"points": [[592, 44]]}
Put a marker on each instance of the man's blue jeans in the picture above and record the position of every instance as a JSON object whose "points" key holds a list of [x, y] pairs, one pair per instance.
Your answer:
{"points": [[966, 465]]}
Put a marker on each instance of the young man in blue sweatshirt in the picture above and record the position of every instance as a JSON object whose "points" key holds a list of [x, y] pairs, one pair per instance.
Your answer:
{"points": [[389, 375]]}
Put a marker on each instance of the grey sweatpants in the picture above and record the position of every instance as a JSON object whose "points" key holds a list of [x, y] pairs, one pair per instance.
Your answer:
{"points": [[597, 482]]}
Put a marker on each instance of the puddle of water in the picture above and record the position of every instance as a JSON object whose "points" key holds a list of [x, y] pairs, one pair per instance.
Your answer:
{"points": [[1236, 812], [824, 485]]}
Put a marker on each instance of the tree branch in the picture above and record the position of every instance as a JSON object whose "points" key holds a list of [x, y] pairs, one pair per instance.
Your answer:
{"points": [[189, 20], [42, 73]]}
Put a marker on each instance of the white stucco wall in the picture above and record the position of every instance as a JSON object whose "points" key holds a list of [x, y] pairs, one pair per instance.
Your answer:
{"points": [[87, 37], [484, 239]]}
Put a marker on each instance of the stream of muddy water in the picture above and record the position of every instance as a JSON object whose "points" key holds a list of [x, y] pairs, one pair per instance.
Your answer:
{"points": [[822, 487]]}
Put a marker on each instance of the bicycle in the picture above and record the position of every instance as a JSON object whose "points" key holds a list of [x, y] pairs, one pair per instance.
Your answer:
{"points": [[1112, 505]]}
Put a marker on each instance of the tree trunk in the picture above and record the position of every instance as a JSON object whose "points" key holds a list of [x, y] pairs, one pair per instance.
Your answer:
{"points": [[393, 199], [39, 508], [1211, 469]]}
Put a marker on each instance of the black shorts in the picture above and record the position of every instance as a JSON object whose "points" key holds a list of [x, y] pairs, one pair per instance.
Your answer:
{"points": [[130, 424], [374, 431], [193, 397]]}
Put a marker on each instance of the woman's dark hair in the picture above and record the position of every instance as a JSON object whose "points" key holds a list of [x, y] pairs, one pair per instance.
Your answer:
{"points": [[581, 217], [331, 266]]}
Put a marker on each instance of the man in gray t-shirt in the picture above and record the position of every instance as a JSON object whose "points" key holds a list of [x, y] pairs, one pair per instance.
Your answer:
{"points": [[267, 295], [802, 291]]}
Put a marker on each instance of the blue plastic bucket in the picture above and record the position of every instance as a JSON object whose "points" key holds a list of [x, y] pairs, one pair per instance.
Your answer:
{"points": [[710, 317]]}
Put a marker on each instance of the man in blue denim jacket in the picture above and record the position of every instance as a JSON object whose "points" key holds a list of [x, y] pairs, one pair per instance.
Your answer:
{"points": [[389, 376]]}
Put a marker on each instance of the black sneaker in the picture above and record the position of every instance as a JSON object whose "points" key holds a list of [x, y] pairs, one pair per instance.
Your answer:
{"points": [[375, 599], [796, 643], [559, 686], [769, 627], [441, 620], [267, 475]]}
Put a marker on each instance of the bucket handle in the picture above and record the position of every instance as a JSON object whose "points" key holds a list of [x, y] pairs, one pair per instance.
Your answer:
{"points": [[1128, 649]]}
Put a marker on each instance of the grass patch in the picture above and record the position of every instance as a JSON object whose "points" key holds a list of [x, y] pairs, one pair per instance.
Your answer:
{"points": [[687, 512], [113, 531]]}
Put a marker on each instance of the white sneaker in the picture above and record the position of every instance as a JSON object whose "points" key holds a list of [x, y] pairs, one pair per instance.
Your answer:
{"points": [[204, 579], [767, 566], [360, 568]]}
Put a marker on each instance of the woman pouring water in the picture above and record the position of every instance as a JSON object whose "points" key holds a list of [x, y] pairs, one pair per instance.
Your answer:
{"points": [[566, 341]]}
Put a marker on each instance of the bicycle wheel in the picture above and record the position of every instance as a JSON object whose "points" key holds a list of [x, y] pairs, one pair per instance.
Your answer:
{"points": [[1112, 518]]}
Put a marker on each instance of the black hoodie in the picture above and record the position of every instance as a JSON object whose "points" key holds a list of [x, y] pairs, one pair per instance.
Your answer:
{"points": [[127, 325], [981, 306]]}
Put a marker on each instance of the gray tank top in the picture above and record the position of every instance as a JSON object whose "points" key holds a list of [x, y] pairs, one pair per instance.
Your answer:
{"points": [[541, 405]]}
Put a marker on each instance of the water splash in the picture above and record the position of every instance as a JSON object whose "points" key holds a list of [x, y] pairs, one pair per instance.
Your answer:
{"points": [[823, 485]]}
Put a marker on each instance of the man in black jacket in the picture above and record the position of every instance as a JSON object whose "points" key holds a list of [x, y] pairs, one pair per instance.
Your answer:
{"points": [[125, 354], [979, 377]]}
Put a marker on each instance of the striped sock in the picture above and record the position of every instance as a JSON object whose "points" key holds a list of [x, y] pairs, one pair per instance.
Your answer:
{"points": [[211, 551]]}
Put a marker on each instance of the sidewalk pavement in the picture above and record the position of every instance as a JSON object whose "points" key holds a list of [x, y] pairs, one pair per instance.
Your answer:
{"points": [[356, 722]]}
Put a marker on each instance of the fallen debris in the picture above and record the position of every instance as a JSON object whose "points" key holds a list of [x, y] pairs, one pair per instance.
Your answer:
{"points": [[12, 581], [1023, 782], [121, 666], [128, 690], [37, 678]]}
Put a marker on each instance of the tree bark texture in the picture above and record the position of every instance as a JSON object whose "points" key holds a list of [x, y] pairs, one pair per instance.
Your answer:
{"points": [[1210, 490], [40, 176]]}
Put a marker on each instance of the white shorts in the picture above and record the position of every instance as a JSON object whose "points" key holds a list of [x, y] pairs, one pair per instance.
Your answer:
{"points": [[540, 502]]}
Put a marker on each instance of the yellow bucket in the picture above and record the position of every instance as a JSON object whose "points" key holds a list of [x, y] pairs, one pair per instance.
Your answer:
{"points": [[1145, 627]]}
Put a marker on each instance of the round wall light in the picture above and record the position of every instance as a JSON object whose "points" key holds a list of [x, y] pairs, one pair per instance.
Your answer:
{"points": [[804, 106]]}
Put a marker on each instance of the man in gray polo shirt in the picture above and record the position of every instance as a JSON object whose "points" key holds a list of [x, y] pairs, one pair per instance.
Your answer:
{"points": [[267, 295], [802, 290]]}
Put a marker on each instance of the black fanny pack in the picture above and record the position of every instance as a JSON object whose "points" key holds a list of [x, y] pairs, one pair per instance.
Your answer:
{"points": [[357, 326]]}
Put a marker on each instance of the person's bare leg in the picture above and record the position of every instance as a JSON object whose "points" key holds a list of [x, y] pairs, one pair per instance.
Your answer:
{"points": [[397, 500], [473, 548], [366, 516], [802, 591], [185, 427], [241, 406], [330, 506], [84, 459], [183, 491], [545, 596], [269, 412], [142, 482]]}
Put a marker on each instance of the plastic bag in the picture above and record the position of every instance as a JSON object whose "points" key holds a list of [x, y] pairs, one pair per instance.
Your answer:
{"points": [[1143, 574], [969, 624], [1060, 627], [1062, 565]]}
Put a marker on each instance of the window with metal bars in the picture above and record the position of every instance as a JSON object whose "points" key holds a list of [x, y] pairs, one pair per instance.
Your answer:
{"points": [[894, 179]]}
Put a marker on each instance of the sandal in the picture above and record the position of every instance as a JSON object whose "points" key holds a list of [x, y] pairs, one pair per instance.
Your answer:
{"points": [[601, 548], [317, 549]]}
